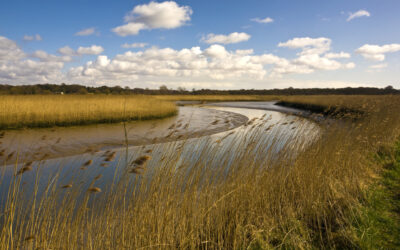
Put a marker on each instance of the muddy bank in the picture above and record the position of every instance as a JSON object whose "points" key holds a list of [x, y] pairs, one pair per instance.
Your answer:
{"points": [[279, 107], [271, 105], [266, 134], [191, 122]]}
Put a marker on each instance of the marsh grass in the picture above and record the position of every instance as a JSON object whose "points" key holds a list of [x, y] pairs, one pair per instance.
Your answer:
{"points": [[242, 196], [67, 110], [378, 224]]}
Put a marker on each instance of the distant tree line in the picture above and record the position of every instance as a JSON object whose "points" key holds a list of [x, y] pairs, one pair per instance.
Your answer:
{"points": [[68, 89]]}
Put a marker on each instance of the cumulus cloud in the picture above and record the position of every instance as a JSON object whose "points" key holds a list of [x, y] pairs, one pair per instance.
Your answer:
{"points": [[67, 51], [17, 68], [337, 55], [129, 29], [36, 37], [262, 20], [308, 45], [234, 37], [360, 13], [378, 66], [215, 66], [313, 56], [45, 57], [213, 63], [244, 52], [9, 50], [216, 51], [92, 50], [376, 52], [86, 32], [133, 45], [165, 15]]}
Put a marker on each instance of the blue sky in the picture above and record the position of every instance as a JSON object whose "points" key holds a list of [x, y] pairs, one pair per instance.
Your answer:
{"points": [[201, 44]]}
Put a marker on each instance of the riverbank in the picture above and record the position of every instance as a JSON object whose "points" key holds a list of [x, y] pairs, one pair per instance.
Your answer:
{"points": [[378, 223], [373, 218], [234, 191], [39, 143], [69, 110]]}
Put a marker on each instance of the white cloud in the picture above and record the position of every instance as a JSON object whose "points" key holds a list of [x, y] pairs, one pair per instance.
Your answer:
{"points": [[358, 14], [165, 15], [9, 50], [315, 61], [234, 37], [133, 45], [378, 66], [216, 51], [199, 85], [86, 32], [92, 50], [16, 68], [313, 56], [321, 84], [244, 52], [67, 51], [45, 57], [376, 52], [36, 37], [262, 20], [129, 29], [212, 67], [308, 45], [214, 63], [337, 55]]}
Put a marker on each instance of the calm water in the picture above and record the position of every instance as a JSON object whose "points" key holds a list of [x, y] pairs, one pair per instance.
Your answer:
{"points": [[225, 130]]}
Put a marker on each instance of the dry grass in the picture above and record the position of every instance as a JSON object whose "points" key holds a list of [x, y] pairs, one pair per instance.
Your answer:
{"points": [[58, 110], [249, 201]]}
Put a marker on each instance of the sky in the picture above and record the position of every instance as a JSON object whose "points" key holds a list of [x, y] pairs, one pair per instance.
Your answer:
{"points": [[219, 44]]}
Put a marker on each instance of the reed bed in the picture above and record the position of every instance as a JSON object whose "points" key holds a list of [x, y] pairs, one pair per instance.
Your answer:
{"points": [[240, 197], [67, 110]]}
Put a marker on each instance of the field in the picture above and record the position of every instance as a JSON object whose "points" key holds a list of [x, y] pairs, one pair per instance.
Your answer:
{"points": [[322, 198], [60, 110]]}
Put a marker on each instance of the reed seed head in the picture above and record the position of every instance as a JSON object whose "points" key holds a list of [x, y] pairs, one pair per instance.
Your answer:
{"points": [[94, 190], [141, 160], [24, 169], [89, 162]]}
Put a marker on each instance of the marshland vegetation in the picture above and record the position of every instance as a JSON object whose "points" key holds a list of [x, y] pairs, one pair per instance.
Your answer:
{"points": [[253, 200], [65, 110]]}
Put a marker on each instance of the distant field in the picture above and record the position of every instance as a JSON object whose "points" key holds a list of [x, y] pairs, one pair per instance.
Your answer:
{"points": [[59, 110]]}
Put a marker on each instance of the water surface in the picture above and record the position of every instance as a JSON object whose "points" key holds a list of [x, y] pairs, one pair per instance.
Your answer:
{"points": [[229, 133]]}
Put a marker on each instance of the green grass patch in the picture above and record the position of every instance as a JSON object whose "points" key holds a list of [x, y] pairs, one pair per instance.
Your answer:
{"points": [[378, 226]]}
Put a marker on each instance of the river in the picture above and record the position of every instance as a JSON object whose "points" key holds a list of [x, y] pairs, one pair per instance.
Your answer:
{"points": [[213, 135]]}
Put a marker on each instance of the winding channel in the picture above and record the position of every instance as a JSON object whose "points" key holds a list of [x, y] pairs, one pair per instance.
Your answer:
{"points": [[195, 132]]}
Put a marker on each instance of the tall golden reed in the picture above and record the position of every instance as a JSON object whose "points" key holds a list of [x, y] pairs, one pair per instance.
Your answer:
{"points": [[247, 202], [65, 110]]}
